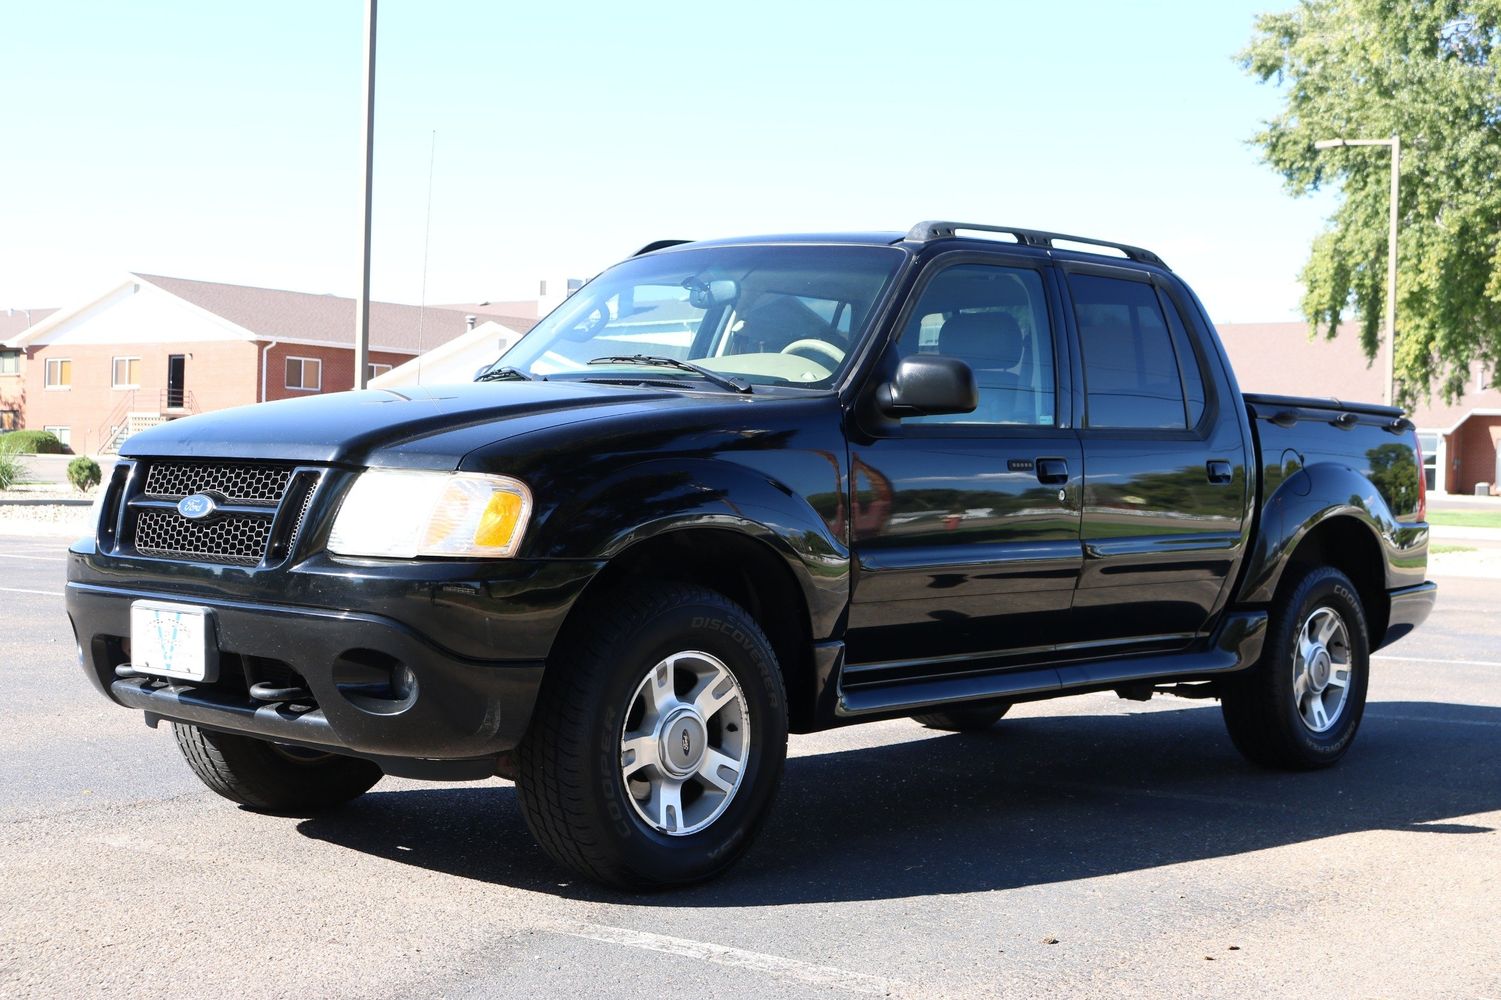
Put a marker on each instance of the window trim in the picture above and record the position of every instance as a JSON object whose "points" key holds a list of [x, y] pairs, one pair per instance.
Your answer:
{"points": [[126, 358], [370, 369], [66, 437], [47, 382], [302, 371], [11, 355]]}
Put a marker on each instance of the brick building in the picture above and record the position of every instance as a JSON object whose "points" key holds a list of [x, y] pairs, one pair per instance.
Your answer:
{"points": [[13, 323], [153, 348], [1459, 440]]}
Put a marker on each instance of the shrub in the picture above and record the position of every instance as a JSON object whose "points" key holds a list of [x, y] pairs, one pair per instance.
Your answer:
{"points": [[11, 470], [83, 473], [32, 442]]}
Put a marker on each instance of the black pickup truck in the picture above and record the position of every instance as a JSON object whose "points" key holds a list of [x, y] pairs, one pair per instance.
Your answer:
{"points": [[740, 488]]}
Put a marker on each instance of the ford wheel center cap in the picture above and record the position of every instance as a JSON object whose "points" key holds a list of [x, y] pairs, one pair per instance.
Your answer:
{"points": [[197, 507]]}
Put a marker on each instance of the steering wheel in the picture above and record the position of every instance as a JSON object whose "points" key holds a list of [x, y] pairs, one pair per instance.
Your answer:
{"points": [[823, 347]]}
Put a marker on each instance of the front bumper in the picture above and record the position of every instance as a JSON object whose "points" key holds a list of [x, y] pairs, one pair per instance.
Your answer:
{"points": [[377, 686]]}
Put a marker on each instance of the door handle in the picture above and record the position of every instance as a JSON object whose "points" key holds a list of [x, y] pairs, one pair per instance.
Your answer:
{"points": [[1219, 472], [1052, 471]]}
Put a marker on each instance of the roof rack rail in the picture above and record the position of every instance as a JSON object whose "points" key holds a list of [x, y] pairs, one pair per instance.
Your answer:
{"points": [[936, 230], [659, 245]]}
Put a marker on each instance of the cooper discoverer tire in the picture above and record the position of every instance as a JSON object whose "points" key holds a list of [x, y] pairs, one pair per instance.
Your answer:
{"points": [[1300, 706], [269, 777], [657, 741], [964, 718]]}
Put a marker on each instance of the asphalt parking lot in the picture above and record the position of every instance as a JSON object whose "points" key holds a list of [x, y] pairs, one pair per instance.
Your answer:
{"points": [[1086, 847]]}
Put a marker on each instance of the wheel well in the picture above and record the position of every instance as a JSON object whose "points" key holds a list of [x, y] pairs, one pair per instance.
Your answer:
{"points": [[1348, 546], [748, 572]]}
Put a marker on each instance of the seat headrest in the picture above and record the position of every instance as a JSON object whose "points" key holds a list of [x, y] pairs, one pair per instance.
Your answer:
{"points": [[993, 337]]}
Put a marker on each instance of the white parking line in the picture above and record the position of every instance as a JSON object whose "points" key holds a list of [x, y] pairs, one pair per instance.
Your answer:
{"points": [[1436, 721], [1437, 659], [7, 555], [21, 590], [738, 958]]}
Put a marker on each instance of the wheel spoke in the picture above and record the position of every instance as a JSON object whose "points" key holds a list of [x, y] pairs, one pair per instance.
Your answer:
{"points": [[670, 806], [636, 752], [1316, 708], [1336, 681], [711, 769], [663, 692], [1300, 684], [716, 693], [1329, 627]]}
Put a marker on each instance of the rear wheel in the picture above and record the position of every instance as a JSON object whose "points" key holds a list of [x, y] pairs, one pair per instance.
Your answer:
{"points": [[1300, 706], [658, 740], [271, 776], [965, 718]]}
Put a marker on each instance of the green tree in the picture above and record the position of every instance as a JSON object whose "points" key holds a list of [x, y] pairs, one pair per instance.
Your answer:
{"points": [[1424, 70]]}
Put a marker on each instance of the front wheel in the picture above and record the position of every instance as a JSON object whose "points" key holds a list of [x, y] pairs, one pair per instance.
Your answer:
{"points": [[273, 777], [1298, 708], [658, 740]]}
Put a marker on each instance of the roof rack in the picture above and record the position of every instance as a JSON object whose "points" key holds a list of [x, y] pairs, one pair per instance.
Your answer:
{"points": [[659, 245], [935, 230]]}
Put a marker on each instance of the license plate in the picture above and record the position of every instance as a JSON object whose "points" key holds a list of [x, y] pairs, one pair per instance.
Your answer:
{"points": [[173, 640]]}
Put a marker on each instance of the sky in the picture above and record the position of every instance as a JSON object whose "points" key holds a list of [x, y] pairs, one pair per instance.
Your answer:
{"points": [[221, 141]]}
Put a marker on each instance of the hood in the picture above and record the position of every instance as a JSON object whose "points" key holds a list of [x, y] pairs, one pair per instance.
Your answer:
{"points": [[414, 427]]}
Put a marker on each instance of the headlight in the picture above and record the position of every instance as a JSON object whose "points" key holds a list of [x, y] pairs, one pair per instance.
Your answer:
{"points": [[404, 514]]}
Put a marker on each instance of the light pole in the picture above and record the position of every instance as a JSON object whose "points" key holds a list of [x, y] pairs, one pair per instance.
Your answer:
{"points": [[367, 140], [1395, 142]]}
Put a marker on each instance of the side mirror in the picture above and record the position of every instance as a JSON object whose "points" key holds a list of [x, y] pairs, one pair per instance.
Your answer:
{"points": [[928, 385]]}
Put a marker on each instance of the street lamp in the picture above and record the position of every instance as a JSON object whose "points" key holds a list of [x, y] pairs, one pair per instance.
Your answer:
{"points": [[1395, 142]]}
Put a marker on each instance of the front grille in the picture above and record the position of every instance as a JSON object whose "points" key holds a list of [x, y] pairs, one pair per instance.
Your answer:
{"points": [[244, 537], [239, 541], [236, 482]]}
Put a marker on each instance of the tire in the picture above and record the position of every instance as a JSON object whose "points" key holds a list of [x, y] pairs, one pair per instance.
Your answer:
{"points": [[965, 718], [604, 809], [272, 778], [1270, 713]]}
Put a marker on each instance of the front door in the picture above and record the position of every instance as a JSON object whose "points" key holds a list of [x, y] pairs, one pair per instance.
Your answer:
{"points": [[1165, 477], [966, 527], [177, 376]]}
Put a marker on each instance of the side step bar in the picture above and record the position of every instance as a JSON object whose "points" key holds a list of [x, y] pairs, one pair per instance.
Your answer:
{"points": [[1235, 646]]}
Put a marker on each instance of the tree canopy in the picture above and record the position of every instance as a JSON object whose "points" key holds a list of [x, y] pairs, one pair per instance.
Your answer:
{"points": [[1424, 70]]}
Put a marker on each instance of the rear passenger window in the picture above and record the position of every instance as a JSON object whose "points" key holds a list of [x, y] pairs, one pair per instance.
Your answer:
{"points": [[1131, 376], [1188, 361]]}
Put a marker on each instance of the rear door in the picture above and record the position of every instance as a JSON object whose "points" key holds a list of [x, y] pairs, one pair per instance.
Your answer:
{"points": [[1165, 471], [966, 526]]}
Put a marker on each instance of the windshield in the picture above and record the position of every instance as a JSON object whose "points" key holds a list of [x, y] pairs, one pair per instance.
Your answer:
{"points": [[770, 315]]}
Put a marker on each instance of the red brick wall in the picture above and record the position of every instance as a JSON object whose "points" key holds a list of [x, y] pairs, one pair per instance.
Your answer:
{"points": [[338, 367], [1472, 453]]}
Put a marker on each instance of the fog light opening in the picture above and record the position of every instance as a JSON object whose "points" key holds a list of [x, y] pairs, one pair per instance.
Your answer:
{"points": [[375, 682]]}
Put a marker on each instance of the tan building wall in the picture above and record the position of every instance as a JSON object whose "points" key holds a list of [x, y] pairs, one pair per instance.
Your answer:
{"points": [[216, 375]]}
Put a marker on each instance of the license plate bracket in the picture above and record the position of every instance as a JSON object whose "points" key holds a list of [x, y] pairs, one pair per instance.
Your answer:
{"points": [[173, 640]]}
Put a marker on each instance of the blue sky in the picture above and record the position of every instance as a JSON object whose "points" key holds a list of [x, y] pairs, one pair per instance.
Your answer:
{"points": [[220, 141]]}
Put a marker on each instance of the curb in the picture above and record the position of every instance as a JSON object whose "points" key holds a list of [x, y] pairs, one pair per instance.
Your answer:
{"points": [[61, 502]]}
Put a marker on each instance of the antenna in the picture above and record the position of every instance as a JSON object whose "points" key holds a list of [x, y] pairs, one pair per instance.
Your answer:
{"points": [[427, 237]]}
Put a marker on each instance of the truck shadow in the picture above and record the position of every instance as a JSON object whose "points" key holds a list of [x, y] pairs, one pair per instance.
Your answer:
{"points": [[1034, 801]]}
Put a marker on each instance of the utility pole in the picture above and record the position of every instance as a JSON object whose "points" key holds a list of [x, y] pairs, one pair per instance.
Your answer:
{"points": [[1395, 142], [367, 142]]}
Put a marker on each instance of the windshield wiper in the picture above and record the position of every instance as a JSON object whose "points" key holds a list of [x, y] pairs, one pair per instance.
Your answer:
{"points": [[729, 382], [505, 373]]}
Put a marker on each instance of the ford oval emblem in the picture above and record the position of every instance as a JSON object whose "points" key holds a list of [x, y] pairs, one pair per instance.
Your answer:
{"points": [[197, 507]]}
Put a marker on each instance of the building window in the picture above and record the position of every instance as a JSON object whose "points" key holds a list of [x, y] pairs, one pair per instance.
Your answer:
{"points": [[10, 420], [10, 362], [372, 370], [63, 434], [305, 374], [127, 373], [59, 373]]}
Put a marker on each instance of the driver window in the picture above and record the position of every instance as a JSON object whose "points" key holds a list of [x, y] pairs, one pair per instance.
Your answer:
{"points": [[995, 319]]}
